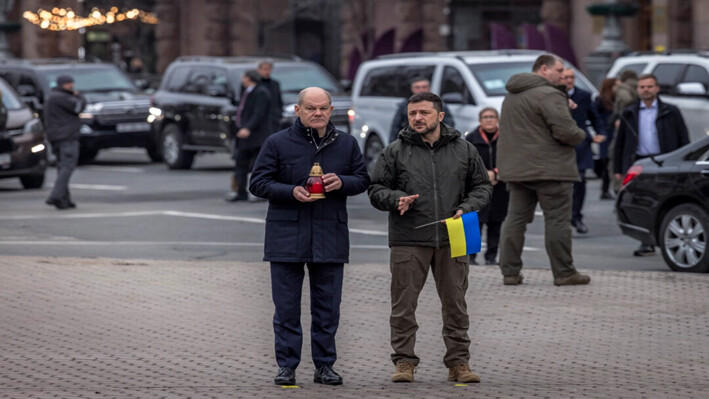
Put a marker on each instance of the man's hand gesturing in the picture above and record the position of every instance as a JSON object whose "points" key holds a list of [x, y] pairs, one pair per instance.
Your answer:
{"points": [[405, 203]]}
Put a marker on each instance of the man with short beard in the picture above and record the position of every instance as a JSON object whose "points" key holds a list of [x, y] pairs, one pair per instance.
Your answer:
{"points": [[430, 173]]}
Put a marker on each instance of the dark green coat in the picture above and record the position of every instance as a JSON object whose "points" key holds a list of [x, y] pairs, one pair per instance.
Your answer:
{"points": [[447, 177]]}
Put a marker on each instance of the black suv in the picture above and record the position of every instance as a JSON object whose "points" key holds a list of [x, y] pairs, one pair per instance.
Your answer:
{"points": [[194, 109], [116, 112]]}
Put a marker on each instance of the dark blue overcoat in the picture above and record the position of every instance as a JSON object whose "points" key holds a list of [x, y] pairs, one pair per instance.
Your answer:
{"points": [[313, 231], [585, 111]]}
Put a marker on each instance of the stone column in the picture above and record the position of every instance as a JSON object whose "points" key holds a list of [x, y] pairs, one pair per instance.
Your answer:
{"points": [[167, 33], [700, 12], [243, 27]]}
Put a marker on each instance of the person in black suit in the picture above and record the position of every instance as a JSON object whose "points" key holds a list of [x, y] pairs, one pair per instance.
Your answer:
{"points": [[583, 112], [254, 125], [275, 112], [647, 128]]}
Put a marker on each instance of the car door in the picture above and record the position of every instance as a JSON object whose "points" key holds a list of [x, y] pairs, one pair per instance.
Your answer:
{"points": [[699, 170], [196, 105], [458, 97], [213, 107]]}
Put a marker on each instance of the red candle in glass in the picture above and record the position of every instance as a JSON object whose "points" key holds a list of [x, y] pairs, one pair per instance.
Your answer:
{"points": [[315, 185]]}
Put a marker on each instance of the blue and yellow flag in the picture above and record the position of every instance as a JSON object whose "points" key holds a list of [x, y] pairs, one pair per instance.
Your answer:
{"points": [[464, 234]]}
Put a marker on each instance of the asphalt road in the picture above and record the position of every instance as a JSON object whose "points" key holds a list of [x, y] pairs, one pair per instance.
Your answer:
{"points": [[130, 208]]}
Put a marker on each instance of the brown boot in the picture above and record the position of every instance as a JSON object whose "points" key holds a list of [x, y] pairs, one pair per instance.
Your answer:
{"points": [[513, 280], [462, 373], [404, 372], [574, 279]]}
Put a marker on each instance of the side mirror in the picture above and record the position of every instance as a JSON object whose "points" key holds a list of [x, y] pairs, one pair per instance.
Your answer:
{"points": [[692, 89], [453, 98], [26, 91]]}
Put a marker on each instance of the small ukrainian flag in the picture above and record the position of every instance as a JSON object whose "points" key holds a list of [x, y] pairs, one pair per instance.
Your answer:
{"points": [[464, 234]]}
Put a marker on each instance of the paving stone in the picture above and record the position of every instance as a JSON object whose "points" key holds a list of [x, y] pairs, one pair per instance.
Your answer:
{"points": [[105, 328]]}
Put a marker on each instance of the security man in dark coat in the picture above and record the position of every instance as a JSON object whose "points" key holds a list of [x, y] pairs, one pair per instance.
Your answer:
{"points": [[582, 111], [647, 128], [61, 117], [275, 112], [254, 125], [302, 230]]}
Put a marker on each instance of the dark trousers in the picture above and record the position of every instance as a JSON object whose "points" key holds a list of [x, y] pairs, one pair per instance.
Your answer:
{"points": [[579, 195], [409, 270], [493, 239], [555, 199], [601, 169], [325, 297], [67, 153], [245, 158]]}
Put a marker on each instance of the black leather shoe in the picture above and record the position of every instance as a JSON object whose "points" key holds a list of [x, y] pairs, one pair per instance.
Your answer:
{"points": [[644, 250], [285, 376], [327, 376], [580, 227], [607, 196], [233, 196], [59, 204]]}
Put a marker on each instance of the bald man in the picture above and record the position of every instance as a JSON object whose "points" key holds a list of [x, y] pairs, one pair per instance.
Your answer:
{"points": [[301, 230]]}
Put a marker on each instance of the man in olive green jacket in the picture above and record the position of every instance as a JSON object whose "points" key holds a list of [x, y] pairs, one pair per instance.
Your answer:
{"points": [[429, 174], [537, 160]]}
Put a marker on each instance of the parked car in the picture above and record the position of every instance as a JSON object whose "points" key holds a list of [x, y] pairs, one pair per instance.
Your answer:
{"points": [[23, 153], [194, 109], [116, 111], [665, 202], [466, 81], [684, 81]]}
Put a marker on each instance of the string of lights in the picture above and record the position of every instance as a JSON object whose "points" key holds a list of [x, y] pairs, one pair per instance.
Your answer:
{"points": [[59, 19]]}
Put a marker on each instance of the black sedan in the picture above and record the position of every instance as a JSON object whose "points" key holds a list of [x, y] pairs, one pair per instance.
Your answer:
{"points": [[665, 201]]}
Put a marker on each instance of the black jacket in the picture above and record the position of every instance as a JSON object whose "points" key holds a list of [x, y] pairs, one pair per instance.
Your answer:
{"points": [[585, 111], [307, 231], [276, 109], [497, 210], [671, 131], [401, 119], [255, 117], [448, 176], [61, 115]]}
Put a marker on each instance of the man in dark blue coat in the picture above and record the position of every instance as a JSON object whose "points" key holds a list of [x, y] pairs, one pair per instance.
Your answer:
{"points": [[301, 229], [583, 111], [254, 125]]}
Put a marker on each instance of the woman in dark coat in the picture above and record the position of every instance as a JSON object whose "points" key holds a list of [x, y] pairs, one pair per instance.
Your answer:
{"points": [[604, 109], [484, 138]]}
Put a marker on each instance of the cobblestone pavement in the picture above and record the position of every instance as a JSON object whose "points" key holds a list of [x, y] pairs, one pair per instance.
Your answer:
{"points": [[104, 328]]}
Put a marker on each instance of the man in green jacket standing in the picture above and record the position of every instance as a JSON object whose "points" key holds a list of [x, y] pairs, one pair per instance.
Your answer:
{"points": [[429, 174], [537, 160]]}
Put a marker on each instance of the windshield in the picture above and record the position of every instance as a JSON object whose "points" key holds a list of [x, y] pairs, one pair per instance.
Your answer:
{"points": [[294, 78], [9, 99], [99, 79], [494, 76]]}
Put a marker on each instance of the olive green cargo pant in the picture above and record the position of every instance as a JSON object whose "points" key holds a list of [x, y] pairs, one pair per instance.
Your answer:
{"points": [[409, 270], [554, 197]]}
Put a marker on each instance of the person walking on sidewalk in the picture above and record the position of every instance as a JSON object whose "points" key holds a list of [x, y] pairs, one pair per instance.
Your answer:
{"points": [[484, 138], [430, 173], [647, 128], [301, 230], [275, 112], [583, 113], [537, 160], [61, 117], [253, 126], [604, 109], [419, 84]]}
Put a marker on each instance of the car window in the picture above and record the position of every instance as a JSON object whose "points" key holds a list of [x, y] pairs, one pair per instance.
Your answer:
{"points": [[668, 75], [701, 154], [197, 81], [92, 80], [696, 73], [9, 99], [394, 81], [177, 78], [294, 78], [493, 77], [453, 82], [638, 68]]}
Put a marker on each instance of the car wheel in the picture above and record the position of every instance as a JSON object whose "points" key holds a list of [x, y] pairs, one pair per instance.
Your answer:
{"points": [[154, 154], [372, 148], [683, 238], [173, 154], [32, 181]]}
